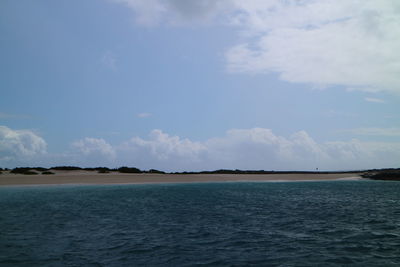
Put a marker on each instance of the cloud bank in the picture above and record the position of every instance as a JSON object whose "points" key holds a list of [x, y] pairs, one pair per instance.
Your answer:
{"points": [[256, 148], [350, 43]]}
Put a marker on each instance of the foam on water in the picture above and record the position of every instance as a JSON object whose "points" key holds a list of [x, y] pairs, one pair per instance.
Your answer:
{"points": [[219, 224]]}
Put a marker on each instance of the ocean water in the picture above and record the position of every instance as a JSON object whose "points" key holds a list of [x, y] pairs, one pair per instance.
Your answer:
{"points": [[355, 223]]}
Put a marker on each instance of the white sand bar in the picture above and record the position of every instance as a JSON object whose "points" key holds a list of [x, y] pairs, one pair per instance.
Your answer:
{"points": [[92, 177]]}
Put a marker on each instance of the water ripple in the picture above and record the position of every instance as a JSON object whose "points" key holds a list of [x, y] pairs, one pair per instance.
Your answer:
{"points": [[352, 223]]}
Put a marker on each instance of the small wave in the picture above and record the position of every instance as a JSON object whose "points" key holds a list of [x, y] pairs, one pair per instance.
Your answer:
{"points": [[352, 178], [227, 224]]}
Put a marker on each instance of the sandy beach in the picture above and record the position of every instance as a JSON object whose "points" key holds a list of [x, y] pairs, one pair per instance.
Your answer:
{"points": [[91, 177]]}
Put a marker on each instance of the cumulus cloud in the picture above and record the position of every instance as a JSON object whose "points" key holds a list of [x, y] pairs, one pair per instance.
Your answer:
{"points": [[260, 148], [355, 154], [352, 43], [256, 148], [162, 146], [94, 147], [162, 151], [19, 144]]}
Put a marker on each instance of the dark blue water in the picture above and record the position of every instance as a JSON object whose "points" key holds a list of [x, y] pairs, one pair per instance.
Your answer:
{"points": [[223, 224]]}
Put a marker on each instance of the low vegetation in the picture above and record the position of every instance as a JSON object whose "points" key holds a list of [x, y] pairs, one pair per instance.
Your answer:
{"points": [[40, 169], [26, 171], [23, 170], [383, 174], [128, 170], [103, 170], [66, 168]]}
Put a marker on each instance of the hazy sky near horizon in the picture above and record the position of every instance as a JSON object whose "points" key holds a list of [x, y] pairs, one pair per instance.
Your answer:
{"points": [[200, 85]]}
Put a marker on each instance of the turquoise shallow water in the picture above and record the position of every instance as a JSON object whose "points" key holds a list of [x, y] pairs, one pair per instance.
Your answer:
{"points": [[354, 223]]}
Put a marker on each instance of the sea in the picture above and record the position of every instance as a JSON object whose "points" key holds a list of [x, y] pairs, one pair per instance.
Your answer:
{"points": [[329, 223]]}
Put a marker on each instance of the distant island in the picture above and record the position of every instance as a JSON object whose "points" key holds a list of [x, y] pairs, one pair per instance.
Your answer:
{"points": [[41, 170], [392, 174]]}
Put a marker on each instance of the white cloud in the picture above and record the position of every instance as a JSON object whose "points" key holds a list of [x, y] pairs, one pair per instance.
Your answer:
{"points": [[256, 148], [19, 144], [161, 151], [356, 154], [374, 100], [260, 148], [94, 147], [144, 115], [350, 43], [353, 43]]}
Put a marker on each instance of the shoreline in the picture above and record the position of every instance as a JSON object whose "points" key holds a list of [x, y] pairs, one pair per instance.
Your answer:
{"points": [[93, 178]]}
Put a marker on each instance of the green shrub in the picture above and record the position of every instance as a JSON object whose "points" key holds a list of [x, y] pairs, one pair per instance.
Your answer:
{"points": [[40, 169], [66, 168], [20, 170], [47, 172], [129, 170], [23, 170]]}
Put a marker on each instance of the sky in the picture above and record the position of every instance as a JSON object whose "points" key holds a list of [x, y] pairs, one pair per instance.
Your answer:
{"points": [[181, 85]]}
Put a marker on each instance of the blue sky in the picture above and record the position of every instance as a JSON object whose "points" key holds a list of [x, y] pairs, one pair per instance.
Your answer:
{"points": [[200, 85]]}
